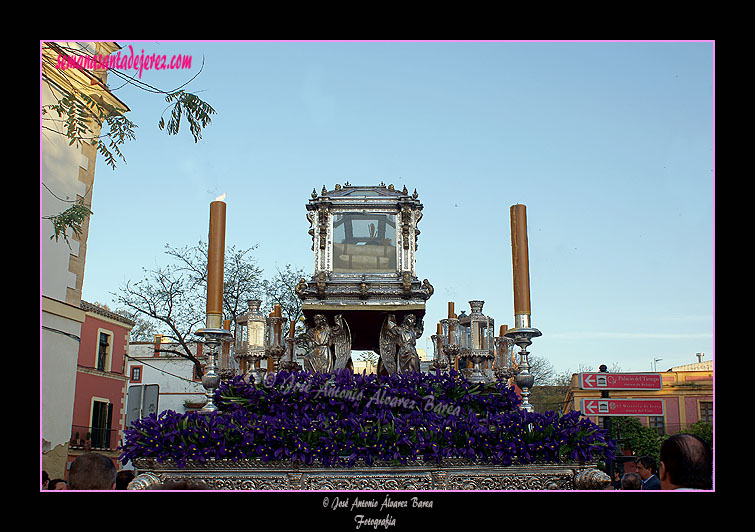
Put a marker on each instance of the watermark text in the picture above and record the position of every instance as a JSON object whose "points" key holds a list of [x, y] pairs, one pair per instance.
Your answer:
{"points": [[125, 61]]}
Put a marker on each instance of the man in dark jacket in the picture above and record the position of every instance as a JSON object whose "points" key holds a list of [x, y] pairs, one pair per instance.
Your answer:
{"points": [[647, 468]]}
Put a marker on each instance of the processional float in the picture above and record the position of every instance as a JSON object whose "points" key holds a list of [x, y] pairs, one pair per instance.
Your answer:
{"points": [[365, 294]]}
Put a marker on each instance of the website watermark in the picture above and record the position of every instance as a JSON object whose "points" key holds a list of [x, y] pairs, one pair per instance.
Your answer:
{"points": [[330, 390], [125, 61]]}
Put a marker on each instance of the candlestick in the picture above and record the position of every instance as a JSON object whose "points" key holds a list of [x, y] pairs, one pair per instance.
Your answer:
{"points": [[522, 337], [213, 338], [520, 263], [215, 258]]}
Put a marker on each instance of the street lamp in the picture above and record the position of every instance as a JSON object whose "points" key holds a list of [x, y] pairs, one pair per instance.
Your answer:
{"points": [[654, 361]]}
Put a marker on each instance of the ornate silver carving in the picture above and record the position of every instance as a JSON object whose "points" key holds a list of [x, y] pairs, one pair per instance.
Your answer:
{"points": [[476, 343], [524, 379], [364, 242], [398, 349], [251, 350], [450, 474], [331, 345], [213, 338], [592, 479]]}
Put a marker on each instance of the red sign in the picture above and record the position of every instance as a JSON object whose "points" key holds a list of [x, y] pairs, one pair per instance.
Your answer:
{"points": [[620, 381], [622, 407]]}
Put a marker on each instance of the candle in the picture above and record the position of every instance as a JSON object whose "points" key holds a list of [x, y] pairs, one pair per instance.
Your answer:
{"points": [[292, 329], [439, 330], [503, 330], [215, 257], [520, 259], [225, 358], [451, 309], [277, 324]]}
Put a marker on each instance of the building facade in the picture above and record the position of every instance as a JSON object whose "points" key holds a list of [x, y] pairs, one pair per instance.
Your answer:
{"points": [[160, 380], [99, 405], [67, 175], [687, 394]]}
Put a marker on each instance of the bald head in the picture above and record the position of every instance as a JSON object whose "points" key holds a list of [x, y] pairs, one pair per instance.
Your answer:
{"points": [[686, 462], [92, 471]]}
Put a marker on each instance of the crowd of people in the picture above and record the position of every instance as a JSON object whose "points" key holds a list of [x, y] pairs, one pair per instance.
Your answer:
{"points": [[90, 471], [97, 472], [686, 463]]}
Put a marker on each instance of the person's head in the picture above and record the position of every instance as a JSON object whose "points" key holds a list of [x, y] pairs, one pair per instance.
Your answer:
{"points": [[410, 320], [92, 471], [57, 484], [123, 478], [686, 462], [319, 320], [631, 481], [646, 466], [45, 479]]}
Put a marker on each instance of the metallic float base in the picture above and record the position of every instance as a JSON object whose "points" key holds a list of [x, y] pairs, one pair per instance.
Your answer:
{"points": [[450, 475]]}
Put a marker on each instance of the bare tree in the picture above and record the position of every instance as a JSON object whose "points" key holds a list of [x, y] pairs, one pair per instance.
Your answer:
{"points": [[281, 290], [242, 278], [172, 299], [542, 370], [167, 298]]}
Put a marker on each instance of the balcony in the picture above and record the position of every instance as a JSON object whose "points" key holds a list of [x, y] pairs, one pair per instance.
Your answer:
{"points": [[94, 438]]}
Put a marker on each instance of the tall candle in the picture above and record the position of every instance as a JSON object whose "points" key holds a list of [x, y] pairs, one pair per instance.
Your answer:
{"points": [[225, 361], [277, 324], [520, 259], [451, 309], [215, 257]]}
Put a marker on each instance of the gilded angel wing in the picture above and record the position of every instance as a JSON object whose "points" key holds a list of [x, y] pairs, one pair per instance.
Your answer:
{"points": [[342, 343]]}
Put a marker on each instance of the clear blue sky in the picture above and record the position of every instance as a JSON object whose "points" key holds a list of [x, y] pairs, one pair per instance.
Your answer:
{"points": [[610, 145]]}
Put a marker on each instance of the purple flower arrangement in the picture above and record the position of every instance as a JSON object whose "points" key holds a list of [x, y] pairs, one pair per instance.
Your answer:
{"points": [[341, 418]]}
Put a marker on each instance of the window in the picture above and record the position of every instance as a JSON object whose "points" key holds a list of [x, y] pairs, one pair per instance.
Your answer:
{"points": [[364, 243], [102, 416], [104, 350], [136, 373], [706, 411], [657, 423]]}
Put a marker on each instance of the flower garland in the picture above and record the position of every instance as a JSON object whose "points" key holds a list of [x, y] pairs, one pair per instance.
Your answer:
{"points": [[340, 418]]}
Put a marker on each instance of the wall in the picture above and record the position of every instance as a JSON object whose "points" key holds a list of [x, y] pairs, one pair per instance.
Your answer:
{"points": [[61, 332], [67, 173], [108, 386], [173, 374], [683, 392]]}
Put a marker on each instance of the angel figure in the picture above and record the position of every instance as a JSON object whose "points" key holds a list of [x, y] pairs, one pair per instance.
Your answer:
{"points": [[332, 345], [398, 344]]}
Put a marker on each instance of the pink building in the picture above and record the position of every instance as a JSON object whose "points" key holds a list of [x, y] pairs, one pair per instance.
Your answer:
{"points": [[100, 397], [687, 395]]}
